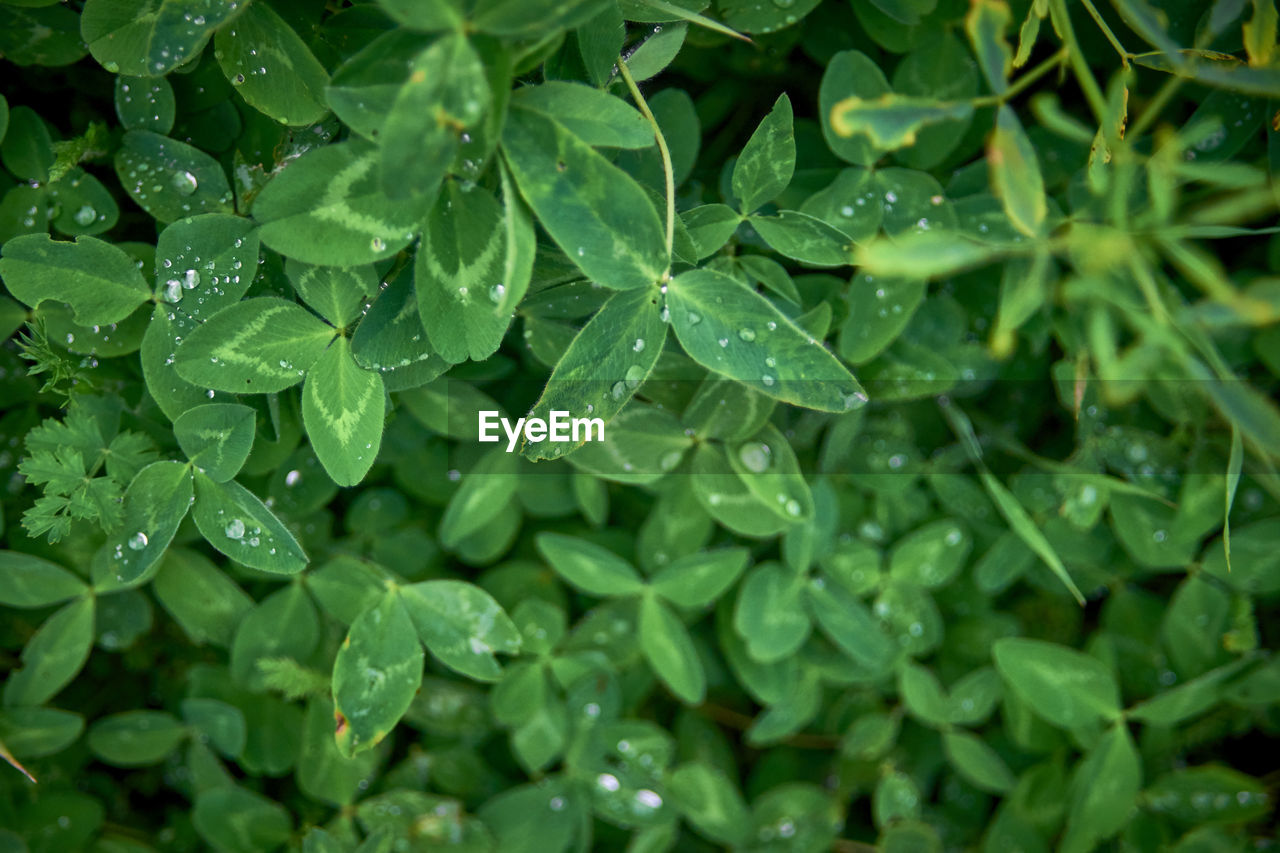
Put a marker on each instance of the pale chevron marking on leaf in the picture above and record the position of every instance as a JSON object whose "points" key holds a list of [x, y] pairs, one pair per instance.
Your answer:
{"points": [[344, 425], [229, 351], [334, 208]]}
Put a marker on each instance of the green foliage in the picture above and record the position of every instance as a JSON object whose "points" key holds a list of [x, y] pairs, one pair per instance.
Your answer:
{"points": [[936, 346]]}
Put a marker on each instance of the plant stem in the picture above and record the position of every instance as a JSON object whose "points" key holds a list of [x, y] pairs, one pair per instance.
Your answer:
{"points": [[1125, 55], [668, 171], [1023, 81], [1149, 113], [1092, 92]]}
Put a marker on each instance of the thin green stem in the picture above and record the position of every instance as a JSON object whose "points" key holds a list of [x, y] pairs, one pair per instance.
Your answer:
{"points": [[1092, 92], [1025, 80], [1125, 55], [667, 169]]}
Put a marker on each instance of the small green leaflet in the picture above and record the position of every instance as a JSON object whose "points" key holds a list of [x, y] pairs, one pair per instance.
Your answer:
{"points": [[257, 346], [485, 491], [892, 121], [667, 646], [200, 597], [1104, 790], [531, 18], [53, 656], [136, 738], [144, 103], [327, 207], [768, 161], [390, 338], [428, 16], [445, 93], [710, 801], [239, 525], [461, 625], [986, 24], [604, 365], [1015, 174], [850, 73], [589, 567], [697, 580], [146, 38], [736, 332], [336, 293], [271, 67], [203, 265], [804, 238], [154, 505], [978, 763], [769, 613], [171, 179], [598, 214], [229, 817], [376, 674], [459, 272], [1068, 688], [30, 581], [343, 407], [595, 117], [283, 625], [642, 444], [216, 437], [100, 282]]}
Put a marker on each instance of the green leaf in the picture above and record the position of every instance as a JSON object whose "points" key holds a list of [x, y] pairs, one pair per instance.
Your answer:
{"points": [[749, 16], [605, 363], [738, 333], [216, 437], [656, 52], [892, 121], [595, 117], [154, 505], [336, 293], [589, 567], [37, 732], [879, 310], [768, 161], [1068, 688], [697, 580], [376, 674], [271, 67], [459, 272], [203, 265], [769, 614], [595, 212], [390, 339], [930, 556], [804, 238], [144, 103], [923, 695], [485, 491], [1104, 790], [327, 207], [258, 346], [427, 15], [136, 738], [1186, 700], [850, 625], [462, 626], [221, 723], [30, 581], [849, 74], [986, 24], [978, 763], [1208, 794], [709, 801], [1015, 174], [235, 522], [530, 18], [200, 597], [343, 407], [100, 282], [149, 38], [445, 93], [710, 226], [53, 656], [768, 466], [669, 650], [283, 626], [642, 444], [236, 820], [170, 179]]}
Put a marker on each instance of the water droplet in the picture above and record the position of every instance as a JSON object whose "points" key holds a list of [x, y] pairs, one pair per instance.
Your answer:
{"points": [[138, 541], [190, 280], [377, 244], [693, 319], [634, 375], [173, 290], [292, 478], [235, 529], [608, 782], [638, 346], [793, 507], [747, 334], [184, 183], [767, 380], [497, 292], [645, 798], [556, 804], [85, 215], [755, 456]]}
